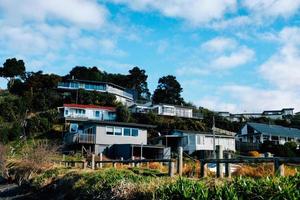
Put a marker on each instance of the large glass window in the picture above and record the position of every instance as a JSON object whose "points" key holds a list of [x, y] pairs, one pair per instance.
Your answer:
{"points": [[126, 131], [97, 114], [74, 85], [80, 111], [118, 131], [73, 128], [135, 132], [109, 130]]}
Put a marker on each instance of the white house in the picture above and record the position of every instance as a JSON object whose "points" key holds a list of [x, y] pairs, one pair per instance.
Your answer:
{"points": [[272, 114], [195, 141], [166, 110], [258, 133], [123, 95], [92, 112]]}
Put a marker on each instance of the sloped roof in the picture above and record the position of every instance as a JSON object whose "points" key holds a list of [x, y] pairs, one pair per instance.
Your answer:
{"points": [[90, 107], [275, 130]]}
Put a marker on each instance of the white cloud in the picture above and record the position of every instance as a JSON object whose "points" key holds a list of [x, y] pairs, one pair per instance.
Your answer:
{"points": [[272, 8], [219, 44], [83, 13], [193, 11], [182, 71], [237, 58], [255, 99], [216, 104], [222, 53], [282, 69], [235, 22]]}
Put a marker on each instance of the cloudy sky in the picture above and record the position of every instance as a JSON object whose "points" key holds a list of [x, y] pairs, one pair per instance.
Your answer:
{"points": [[229, 55]]}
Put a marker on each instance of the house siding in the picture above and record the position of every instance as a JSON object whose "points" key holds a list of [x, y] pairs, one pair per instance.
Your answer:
{"points": [[103, 138]]}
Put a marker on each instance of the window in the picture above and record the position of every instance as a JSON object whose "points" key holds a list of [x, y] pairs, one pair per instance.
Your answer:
{"points": [[126, 131], [109, 130], [73, 128], [97, 114], [118, 131], [134, 132], [200, 139], [80, 111], [66, 112]]}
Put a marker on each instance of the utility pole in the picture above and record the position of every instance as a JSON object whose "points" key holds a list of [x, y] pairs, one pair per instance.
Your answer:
{"points": [[214, 138]]}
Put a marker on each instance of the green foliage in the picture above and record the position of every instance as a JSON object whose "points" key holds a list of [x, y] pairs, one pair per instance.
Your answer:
{"points": [[12, 68], [123, 114], [168, 91], [41, 179], [286, 150], [100, 184], [239, 188], [91, 97], [137, 80]]}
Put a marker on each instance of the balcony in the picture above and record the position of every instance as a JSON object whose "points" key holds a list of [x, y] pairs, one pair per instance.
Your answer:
{"points": [[80, 138]]}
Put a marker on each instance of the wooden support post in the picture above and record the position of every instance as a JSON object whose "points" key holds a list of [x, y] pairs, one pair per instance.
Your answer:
{"points": [[114, 165], [64, 157], [171, 168], [133, 164], [148, 165], [84, 164], [101, 157], [278, 168], [122, 160], [219, 169], [228, 167], [180, 161], [93, 161], [203, 169]]}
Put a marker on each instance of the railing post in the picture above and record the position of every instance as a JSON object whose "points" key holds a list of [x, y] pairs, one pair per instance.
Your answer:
{"points": [[133, 164], [180, 161], [219, 166], [93, 161], [171, 168], [101, 158], [203, 169], [278, 168], [228, 167], [84, 164]]}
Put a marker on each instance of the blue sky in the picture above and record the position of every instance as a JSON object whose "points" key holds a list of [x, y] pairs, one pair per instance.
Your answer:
{"points": [[228, 55]]}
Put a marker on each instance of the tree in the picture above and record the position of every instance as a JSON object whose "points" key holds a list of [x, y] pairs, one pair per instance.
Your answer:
{"points": [[137, 80], [86, 73], [123, 114], [11, 69], [168, 91]]}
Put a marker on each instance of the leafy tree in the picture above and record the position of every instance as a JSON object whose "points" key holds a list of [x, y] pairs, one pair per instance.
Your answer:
{"points": [[123, 114], [91, 97], [11, 69], [137, 80], [168, 91], [86, 73]]}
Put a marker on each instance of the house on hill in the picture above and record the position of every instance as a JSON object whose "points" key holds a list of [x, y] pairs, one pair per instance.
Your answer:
{"points": [[258, 133], [197, 142], [113, 139], [166, 110], [271, 114], [123, 95], [88, 112]]}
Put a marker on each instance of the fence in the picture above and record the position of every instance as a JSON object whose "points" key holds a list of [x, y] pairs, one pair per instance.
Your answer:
{"points": [[99, 164], [278, 164]]}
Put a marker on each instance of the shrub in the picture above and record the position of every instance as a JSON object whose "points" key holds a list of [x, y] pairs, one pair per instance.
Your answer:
{"points": [[2, 159], [255, 154]]}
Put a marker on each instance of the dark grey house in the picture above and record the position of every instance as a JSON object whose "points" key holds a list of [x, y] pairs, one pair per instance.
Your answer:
{"points": [[114, 139], [258, 133]]}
